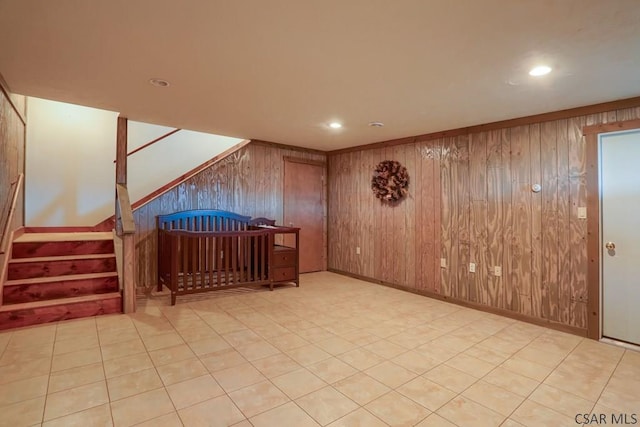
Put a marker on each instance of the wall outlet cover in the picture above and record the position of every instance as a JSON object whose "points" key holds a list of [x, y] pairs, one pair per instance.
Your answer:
{"points": [[582, 212]]}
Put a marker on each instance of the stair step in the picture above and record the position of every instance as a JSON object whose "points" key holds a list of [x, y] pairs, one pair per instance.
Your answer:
{"points": [[57, 287], [72, 245], [60, 258], [60, 275], [64, 237], [37, 312], [25, 268]]}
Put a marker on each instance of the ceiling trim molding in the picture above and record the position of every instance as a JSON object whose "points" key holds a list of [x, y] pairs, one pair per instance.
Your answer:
{"points": [[520, 121], [288, 147], [611, 127]]}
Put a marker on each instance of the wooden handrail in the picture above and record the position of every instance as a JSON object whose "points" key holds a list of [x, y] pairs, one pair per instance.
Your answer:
{"points": [[5, 209], [6, 229], [128, 225], [7, 234], [142, 147]]}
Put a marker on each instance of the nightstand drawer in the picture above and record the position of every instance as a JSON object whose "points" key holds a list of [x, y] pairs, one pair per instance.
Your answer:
{"points": [[284, 273], [285, 258]]}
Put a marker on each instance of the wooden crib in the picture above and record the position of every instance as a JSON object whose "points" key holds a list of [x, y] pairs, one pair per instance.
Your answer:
{"points": [[205, 250]]}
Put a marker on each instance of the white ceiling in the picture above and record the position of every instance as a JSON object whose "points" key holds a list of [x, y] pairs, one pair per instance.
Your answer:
{"points": [[280, 70]]}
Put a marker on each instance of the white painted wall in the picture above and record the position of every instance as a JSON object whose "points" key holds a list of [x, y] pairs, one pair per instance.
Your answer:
{"points": [[70, 172], [168, 159], [69, 179]]}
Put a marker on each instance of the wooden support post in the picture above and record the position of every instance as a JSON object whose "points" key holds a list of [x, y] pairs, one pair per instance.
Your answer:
{"points": [[125, 226], [121, 151], [129, 286]]}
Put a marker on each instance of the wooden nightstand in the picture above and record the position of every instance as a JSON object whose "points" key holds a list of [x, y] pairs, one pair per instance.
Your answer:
{"points": [[285, 264]]}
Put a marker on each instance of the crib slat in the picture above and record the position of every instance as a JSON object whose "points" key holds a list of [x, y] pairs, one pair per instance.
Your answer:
{"points": [[220, 266], [173, 281], [202, 262], [234, 259], [212, 259], [263, 258], [256, 254], [242, 269], [227, 255]]}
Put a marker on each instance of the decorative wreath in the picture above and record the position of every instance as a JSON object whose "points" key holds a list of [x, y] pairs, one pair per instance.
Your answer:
{"points": [[390, 180]]}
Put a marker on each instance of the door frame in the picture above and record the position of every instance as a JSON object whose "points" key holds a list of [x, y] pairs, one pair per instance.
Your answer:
{"points": [[323, 165], [594, 276]]}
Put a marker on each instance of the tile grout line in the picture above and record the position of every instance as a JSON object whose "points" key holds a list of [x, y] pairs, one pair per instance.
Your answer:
{"points": [[266, 308], [46, 396], [164, 386], [609, 379], [542, 382], [62, 370]]}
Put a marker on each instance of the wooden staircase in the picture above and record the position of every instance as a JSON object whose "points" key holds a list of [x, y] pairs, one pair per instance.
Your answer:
{"points": [[58, 276]]}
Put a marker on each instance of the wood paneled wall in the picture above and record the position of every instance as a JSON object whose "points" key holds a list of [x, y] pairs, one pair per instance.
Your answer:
{"points": [[12, 140], [470, 200], [249, 182]]}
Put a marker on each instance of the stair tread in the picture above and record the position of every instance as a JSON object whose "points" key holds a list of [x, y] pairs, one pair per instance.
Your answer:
{"points": [[58, 301], [61, 258], [64, 237], [68, 277]]}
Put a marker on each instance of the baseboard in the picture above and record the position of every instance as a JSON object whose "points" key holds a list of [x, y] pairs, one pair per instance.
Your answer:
{"points": [[493, 310]]}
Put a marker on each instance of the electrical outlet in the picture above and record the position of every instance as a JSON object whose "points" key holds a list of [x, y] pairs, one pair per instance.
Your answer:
{"points": [[497, 271], [472, 267], [582, 213], [221, 254], [357, 250], [443, 262]]}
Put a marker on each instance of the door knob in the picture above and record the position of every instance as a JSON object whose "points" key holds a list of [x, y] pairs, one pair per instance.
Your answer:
{"points": [[610, 246]]}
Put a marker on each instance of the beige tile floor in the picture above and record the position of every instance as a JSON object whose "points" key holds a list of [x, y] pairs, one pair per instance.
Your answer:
{"points": [[336, 352]]}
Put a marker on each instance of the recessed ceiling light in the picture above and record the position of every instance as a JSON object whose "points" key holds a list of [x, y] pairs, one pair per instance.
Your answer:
{"points": [[376, 124], [159, 82], [335, 125], [540, 70]]}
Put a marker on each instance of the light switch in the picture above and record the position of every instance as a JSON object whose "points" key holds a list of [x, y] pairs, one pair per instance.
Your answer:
{"points": [[497, 271], [582, 212], [443, 262], [357, 250]]}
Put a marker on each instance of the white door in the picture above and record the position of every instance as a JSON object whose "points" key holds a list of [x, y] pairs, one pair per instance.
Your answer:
{"points": [[620, 235]]}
